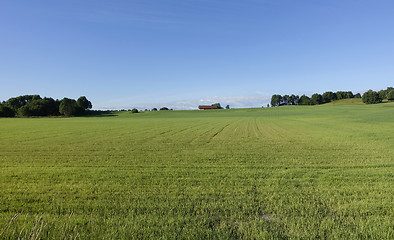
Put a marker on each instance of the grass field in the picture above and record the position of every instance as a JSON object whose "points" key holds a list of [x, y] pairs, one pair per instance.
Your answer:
{"points": [[290, 172], [347, 101]]}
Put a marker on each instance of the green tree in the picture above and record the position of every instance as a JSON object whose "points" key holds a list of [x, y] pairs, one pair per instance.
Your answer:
{"points": [[217, 105], [341, 95], [134, 110], [358, 95], [17, 102], [293, 100], [389, 89], [349, 94], [285, 100], [390, 95], [328, 96], [316, 99], [227, 106], [6, 111], [14, 104], [26, 111], [371, 97], [68, 107], [304, 100], [276, 100], [39, 107], [84, 103], [383, 94]]}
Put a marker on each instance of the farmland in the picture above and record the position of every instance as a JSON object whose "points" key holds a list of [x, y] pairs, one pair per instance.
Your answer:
{"points": [[286, 173]]}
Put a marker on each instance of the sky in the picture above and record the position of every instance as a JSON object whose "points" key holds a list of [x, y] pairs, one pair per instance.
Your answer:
{"points": [[122, 54]]}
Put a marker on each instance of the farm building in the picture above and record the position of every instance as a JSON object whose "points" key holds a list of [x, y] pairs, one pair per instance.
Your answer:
{"points": [[207, 107]]}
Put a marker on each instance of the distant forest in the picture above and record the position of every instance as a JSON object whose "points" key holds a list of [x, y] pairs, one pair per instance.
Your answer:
{"points": [[34, 105], [369, 97]]}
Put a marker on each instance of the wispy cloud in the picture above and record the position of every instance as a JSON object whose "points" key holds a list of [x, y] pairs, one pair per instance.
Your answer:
{"points": [[240, 101]]}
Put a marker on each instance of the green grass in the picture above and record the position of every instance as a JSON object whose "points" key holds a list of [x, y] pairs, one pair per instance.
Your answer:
{"points": [[348, 101], [294, 172]]}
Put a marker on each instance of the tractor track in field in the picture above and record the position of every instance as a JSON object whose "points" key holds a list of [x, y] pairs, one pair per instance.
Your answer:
{"points": [[187, 131], [258, 131], [217, 133], [200, 135], [205, 133]]}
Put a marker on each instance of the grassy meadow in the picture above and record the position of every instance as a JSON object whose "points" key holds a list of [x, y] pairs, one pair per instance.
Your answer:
{"points": [[292, 172]]}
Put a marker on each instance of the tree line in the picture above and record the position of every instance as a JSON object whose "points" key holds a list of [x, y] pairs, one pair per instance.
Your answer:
{"points": [[369, 97], [34, 105], [372, 97]]}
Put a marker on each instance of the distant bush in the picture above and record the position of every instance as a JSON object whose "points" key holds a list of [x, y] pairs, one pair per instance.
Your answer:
{"points": [[134, 110], [164, 109]]}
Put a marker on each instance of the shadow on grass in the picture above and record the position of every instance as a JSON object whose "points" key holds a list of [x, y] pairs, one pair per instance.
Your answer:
{"points": [[93, 113]]}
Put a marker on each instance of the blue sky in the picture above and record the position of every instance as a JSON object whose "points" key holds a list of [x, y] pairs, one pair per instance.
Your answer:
{"points": [[181, 53]]}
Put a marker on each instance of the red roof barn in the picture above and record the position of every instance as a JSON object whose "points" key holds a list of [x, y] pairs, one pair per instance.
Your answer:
{"points": [[207, 107]]}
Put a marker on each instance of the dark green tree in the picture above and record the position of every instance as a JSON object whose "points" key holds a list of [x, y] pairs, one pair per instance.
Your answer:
{"points": [[276, 100], [17, 102], [316, 99], [84, 103], [27, 111], [134, 110], [349, 94], [328, 97], [14, 104], [390, 95], [371, 97], [227, 106], [285, 100], [217, 105], [304, 100], [6, 111], [389, 90], [383, 94], [344, 95], [358, 95], [293, 100], [68, 107], [340, 95], [39, 107]]}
